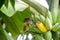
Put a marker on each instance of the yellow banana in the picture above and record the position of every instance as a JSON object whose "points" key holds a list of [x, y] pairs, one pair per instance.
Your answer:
{"points": [[41, 27]]}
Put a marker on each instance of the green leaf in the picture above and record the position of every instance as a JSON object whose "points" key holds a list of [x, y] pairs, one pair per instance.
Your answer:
{"points": [[7, 36], [13, 3], [15, 23], [55, 35], [4, 35], [6, 3], [0, 26], [10, 26], [8, 11], [1, 3]]}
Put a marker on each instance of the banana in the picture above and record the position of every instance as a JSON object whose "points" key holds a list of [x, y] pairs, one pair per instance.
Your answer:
{"points": [[54, 17], [33, 28], [49, 15], [56, 27], [42, 18], [36, 15], [54, 9], [48, 24], [37, 37], [41, 26], [48, 35]]}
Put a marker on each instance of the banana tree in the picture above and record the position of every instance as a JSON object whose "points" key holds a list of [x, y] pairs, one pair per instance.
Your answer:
{"points": [[29, 16]]}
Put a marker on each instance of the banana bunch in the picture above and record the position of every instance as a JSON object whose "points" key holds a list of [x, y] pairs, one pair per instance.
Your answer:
{"points": [[45, 19], [47, 16]]}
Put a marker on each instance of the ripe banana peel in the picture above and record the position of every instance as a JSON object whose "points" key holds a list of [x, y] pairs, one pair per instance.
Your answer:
{"points": [[41, 27]]}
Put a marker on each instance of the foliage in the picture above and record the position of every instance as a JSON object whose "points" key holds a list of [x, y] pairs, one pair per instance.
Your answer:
{"points": [[22, 19]]}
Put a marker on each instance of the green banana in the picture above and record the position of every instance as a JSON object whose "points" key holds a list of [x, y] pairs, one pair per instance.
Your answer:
{"points": [[48, 35], [49, 15], [53, 7], [37, 37], [54, 17], [33, 29], [34, 11], [42, 18], [36, 15], [56, 27], [48, 23]]}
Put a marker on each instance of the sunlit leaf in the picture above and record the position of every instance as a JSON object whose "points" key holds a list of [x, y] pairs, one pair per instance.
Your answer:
{"points": [[20, 6], [8, 11]]}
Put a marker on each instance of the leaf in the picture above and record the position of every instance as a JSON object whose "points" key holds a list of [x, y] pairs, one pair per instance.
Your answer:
{"points": [[0, 26], [55, 35], [19, 17], [13, 3], [6, 3], [1, 3], [8, 11], [4, 35], [20, 6], [10, 26], [15, 23]]}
